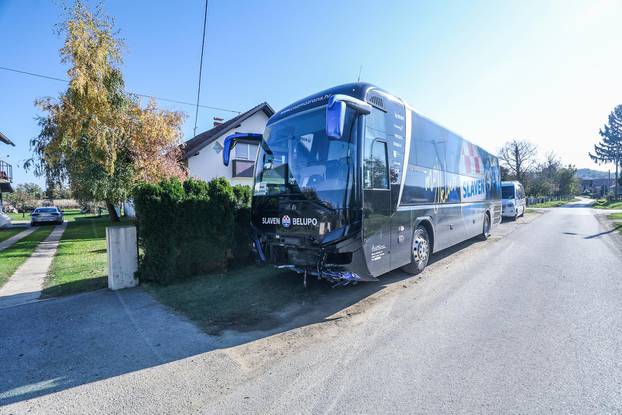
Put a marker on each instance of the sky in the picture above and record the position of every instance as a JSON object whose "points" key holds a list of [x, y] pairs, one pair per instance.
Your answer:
{"points": [[544, 71]]}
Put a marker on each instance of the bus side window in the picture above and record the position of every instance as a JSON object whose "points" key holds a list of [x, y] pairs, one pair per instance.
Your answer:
{"points": [[429, 144], [375, 167]]}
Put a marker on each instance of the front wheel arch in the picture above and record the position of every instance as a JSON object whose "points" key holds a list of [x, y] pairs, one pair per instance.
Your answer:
{"points": [[428, 227]]}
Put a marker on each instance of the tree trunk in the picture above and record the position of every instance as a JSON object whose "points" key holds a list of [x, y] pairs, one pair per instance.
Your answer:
{"points": [[112, 212], [617, 181]]}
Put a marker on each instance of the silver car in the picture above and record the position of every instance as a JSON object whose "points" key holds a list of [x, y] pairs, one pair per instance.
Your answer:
{"points": [[49, 214]]}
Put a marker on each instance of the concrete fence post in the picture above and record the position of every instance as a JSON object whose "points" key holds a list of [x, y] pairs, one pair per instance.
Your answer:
{"points": [[122, 257]]}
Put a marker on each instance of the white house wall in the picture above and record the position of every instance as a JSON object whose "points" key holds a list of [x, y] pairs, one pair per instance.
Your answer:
{"points": [[208, 163]]}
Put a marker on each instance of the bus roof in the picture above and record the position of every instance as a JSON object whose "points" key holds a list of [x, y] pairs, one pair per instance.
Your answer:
{"points": [[357, 90]]}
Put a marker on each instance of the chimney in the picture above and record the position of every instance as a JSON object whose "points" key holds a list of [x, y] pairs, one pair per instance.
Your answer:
{"points": [[218, 121]]}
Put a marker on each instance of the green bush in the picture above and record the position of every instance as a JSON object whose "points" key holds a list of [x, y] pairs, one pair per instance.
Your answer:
{"points": [[243, 195], [601, 202], [190, 228]]}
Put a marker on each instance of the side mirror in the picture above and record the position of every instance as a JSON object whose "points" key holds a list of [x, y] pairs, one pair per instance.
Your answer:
{"points": [[335, 118], [336, 113], [232, 140]]}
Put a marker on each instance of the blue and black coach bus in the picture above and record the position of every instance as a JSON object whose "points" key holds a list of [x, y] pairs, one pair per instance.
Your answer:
{"points": [[351, 183]]}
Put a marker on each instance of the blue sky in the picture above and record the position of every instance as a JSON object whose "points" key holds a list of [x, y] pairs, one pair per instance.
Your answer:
{"points": [[548, 72]]}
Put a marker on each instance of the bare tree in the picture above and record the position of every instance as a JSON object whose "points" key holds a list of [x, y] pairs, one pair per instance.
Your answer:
{"points": [[518, 156]]}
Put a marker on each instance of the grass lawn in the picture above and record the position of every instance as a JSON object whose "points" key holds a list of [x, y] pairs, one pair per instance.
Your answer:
{"points": [[6, 233], [616, 217], [553, 203], [80, 261], [19, 216], [243, 299], [604, 204], [11, 258]]}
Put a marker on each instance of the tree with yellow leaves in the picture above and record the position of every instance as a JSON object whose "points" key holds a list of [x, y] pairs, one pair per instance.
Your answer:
{"points": [[95, 135]]}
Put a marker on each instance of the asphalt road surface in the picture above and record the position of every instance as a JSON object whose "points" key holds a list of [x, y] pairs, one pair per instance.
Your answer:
{"points": [[530, 322]]}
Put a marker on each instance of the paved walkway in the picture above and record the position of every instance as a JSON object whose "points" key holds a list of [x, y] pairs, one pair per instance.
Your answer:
{"points": [[83, 340], [13, 239], [27, 282]]}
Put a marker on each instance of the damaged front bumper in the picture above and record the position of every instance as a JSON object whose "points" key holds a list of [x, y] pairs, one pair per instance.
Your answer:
{"points": [[327, 263]]}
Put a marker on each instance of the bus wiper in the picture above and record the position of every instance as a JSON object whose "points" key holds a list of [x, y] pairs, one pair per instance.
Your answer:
{"points": [[265, 147]]}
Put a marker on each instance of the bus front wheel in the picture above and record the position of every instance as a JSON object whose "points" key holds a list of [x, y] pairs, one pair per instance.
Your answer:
{"points": [[420, 252]]}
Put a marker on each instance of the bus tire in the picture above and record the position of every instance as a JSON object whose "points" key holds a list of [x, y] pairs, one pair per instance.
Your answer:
{"points": [[420, 251], [486, 227]]}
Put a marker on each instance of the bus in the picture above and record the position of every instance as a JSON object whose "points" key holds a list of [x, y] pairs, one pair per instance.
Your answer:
{"points": [[352, 182]]}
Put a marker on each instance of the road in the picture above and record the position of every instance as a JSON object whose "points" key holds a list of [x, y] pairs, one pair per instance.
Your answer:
{"points": [[530, 322]]}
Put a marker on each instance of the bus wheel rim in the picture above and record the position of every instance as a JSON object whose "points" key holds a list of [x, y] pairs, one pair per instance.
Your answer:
{"points": [[421, 249]]}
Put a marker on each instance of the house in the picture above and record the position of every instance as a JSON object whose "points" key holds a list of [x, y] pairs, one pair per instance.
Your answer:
{"points": [[203, 153], [598, 187], [6, 178]]}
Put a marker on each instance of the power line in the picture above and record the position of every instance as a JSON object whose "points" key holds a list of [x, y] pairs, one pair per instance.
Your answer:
{"points": [[38, 75], [196, 113]]}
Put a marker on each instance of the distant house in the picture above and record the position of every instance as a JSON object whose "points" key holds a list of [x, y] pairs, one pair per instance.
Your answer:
{"points": [[598, 187], [6, 178], [203, 153]]}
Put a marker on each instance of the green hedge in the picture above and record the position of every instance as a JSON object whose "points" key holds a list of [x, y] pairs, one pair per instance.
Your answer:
{"points": [[190, 228]]}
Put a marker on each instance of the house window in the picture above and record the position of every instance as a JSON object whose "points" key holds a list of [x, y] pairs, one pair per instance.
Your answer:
{"points": [[244, 160], [243, 168], [244, 151]]}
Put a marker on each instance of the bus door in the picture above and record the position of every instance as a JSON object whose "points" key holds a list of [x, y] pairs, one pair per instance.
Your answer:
{"points": [[376, 205]]}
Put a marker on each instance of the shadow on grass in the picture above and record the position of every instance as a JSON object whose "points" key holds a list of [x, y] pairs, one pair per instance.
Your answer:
{"points": [[102, 218], [12, 255], [75, 287]]}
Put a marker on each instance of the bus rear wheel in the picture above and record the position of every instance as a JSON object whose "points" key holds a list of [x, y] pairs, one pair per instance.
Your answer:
{"points": [[485, 227], [420, 251]]}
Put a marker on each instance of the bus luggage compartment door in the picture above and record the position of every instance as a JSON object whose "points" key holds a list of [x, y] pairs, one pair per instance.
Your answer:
{"points": [[377, 231]]}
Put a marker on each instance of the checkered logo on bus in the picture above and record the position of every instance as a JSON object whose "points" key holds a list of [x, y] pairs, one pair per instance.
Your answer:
{"points": [[470, 159]]}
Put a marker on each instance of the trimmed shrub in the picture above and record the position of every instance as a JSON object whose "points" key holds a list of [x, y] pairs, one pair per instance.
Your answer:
{"points": [[190, 228], [243, 195], [243, 235]]}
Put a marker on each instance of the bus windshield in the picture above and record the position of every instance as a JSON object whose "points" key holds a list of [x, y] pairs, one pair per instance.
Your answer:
{"points": [[296, 157]]}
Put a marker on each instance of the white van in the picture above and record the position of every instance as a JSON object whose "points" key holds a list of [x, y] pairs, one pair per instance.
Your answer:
{"points": [[513, 200]]}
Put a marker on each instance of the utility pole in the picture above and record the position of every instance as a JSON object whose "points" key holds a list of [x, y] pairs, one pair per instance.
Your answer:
{"points": [[196, 112]]}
